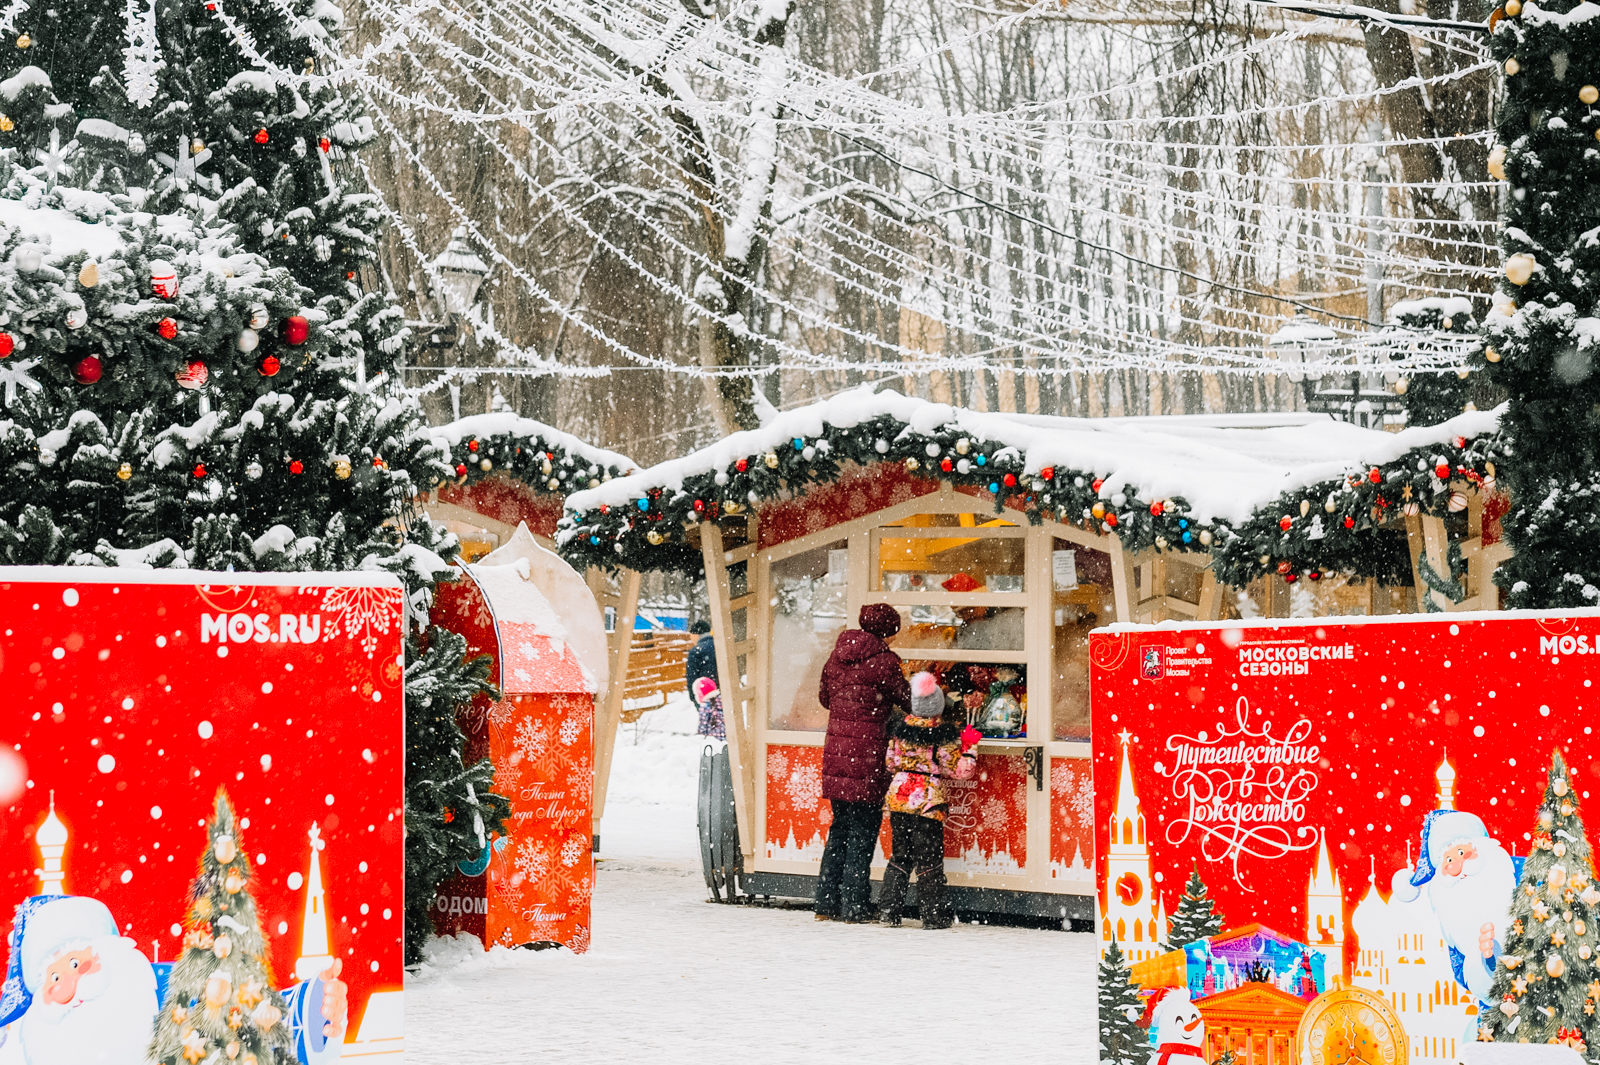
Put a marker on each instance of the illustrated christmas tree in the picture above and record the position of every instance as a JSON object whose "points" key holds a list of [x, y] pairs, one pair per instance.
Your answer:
{"points": [[1542, 346], [1547, 982], [1122, 1041], [220, 1002], [194, 356], [1196, 916]]}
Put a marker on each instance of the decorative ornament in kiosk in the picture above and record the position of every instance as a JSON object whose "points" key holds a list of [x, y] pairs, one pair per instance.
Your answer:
{"points": [[1002, 714]]}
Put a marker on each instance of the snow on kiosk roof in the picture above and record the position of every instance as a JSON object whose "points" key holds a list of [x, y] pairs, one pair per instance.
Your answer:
{"points": [[1186, 483]]}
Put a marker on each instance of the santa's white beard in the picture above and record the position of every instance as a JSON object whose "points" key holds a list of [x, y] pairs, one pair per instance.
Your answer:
{"points": [[112, 1022], [1464, 904]]}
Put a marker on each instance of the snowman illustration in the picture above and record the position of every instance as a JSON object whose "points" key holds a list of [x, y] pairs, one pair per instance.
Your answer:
{"points": [[1176, 1027]]}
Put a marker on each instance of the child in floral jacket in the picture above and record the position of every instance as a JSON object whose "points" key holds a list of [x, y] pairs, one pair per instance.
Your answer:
{"points": [[924, 753], [709, 700]]}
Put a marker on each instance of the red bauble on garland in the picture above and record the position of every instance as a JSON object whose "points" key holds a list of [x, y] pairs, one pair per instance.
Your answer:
{"points": [[1157, 509], [8, 344], [296, 466], [1375, 475], [269, 366], [195, 375], [742, 465], [323, 143], [262, 136], [1285, 522], [1442, 471], [472, 445], [168, 328], [1010, 480], [296, 329], [87, 371], [1349, 522], [946, 465], [1048, 473], [200, 470], [461, 469]]}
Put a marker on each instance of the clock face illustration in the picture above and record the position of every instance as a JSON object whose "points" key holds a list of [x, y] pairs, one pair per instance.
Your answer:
{"points": [[1352, 1026], [1130, 889]]}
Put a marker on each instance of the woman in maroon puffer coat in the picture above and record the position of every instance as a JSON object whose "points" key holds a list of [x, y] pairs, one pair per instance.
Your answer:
{"points": [[862, 685]]}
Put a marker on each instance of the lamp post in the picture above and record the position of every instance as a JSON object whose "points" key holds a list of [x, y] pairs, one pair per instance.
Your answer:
{"points": [[459, 273]]}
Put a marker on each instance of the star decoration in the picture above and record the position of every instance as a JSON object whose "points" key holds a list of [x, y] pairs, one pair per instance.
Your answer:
{"points": [[54, 158], [183, 166], [1558, 939], [1594, 989], [1520, 986]]}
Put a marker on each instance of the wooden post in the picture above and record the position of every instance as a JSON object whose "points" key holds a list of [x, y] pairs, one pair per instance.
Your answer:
{"points": [[734, 690], [1209, 608], [1122, 579], [1426, 539], [608, 714]]}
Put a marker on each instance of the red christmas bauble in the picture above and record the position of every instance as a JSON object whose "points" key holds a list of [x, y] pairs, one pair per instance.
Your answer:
{"points": [[194, 375], [472, 445], [1442, 471], [269, 366], [699, 505], [1096, 483], [200, 469], [946, 465], [8, 344], [296, 329], [87, 371], [1047, 474], [461, 469], [261, 136], [1285, 522], [163, 279], [1157, 508], [1010, 480], [323, 143], [1315, 575], [1459, 441], [1375, 475], [296, 466], [742, 465], [1111, 519], [1290, 578], [1349, 522], [167, 328], [1284, 567]]}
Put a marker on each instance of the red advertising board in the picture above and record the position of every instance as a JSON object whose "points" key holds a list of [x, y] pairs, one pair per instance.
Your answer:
{"points": [[1371, 809], [135, 707]]}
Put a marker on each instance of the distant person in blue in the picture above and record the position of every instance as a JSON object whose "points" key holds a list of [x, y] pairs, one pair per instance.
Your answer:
{"points": [[702, 660]]}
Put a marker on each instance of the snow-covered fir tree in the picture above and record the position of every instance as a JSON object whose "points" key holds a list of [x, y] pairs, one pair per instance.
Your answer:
{"points": [[1122, 1041], [1544, 332], [192, 372], [1196, 916]]}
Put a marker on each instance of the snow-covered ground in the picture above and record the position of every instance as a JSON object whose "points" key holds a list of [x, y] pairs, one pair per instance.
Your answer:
{"points": [[673, 979]]}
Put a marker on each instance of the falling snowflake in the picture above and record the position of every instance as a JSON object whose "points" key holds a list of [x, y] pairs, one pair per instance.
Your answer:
{"points": [[532, 861], [573, 850], [363, 613], [532, 740], [777, 765], [805, 786], [996, 815]]}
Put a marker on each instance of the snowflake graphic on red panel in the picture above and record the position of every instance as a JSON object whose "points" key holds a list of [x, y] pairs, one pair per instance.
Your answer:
{"points": [[362, 613]]}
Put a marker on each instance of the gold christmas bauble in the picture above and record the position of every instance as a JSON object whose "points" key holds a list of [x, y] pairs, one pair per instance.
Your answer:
{"points": [[485, 465], [1491, 355], [1402, 386], [197, 146], [222, 946], [912, 464], [89, 274], [234, 883], [1589, 94], [6, 125], [1098, 510], [218, 987], [552, 484], [1520, 267], [1579, 926], [341, 469], [1205, 537], [1513, 8], [1584, 952], [1555, 965], [654, 537], [24, 41], [124, 471], [225, 849], [1496, 164], [771, 459], [1305, 507], [1512, 66]]}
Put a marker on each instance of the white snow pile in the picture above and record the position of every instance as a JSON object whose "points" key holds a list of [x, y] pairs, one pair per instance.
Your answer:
{"points": [[1225, 468], [1446, 306], [506, 423]]}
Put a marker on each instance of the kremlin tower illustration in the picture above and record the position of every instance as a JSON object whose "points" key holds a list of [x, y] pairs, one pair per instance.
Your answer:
{"points": [[1134, 913]]}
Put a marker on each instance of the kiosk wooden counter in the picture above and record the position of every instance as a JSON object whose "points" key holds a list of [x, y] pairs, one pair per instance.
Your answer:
{"points": [[1002, 540]]}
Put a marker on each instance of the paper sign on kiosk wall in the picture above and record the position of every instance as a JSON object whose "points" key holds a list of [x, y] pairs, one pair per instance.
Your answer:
{"points": [[1064, 568]]}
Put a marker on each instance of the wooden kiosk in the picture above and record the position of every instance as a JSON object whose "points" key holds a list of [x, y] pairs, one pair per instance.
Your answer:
{"points": [[511, 472], [1002, 540]]}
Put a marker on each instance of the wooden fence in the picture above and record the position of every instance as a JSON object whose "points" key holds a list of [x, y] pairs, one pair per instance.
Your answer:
{"points": [[655, 669]]}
